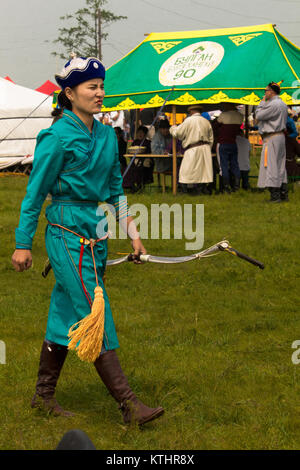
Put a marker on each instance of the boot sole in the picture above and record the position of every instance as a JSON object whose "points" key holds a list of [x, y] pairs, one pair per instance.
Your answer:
{"points": [[155, 415], [51, 411]]}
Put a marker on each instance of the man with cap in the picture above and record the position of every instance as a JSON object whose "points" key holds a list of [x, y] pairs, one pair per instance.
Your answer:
{"points": [[76, 160], [196, 135], [271, 115]]}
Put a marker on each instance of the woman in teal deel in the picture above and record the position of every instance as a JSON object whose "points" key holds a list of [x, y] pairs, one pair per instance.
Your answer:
{"points": [[76, 160]]}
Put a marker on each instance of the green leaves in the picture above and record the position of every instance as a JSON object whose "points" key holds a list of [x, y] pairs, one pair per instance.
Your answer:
{"points": [[84, 35]]}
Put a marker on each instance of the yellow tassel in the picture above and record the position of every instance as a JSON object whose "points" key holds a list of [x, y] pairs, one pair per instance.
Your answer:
{"points": [[88, 332]]}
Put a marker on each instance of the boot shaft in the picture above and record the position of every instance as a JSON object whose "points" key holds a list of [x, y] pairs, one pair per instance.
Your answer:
{"points": [[284, 192], [111, 373], [51, 362], [52, 359], [275, 194], [109, 369]]}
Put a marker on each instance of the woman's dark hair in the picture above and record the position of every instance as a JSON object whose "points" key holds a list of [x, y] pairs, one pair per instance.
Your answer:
{"points": [[63, 101], [56, 114], [143, 129], [164, 124]]}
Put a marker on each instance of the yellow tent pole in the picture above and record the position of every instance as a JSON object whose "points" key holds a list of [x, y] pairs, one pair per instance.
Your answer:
{"points": [[174, 141], [137, 119]]}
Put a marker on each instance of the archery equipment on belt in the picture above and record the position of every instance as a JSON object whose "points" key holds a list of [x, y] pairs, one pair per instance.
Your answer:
{"points": [[86, 336]]}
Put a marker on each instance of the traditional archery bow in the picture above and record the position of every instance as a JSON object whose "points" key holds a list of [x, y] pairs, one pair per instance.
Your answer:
{"points": [[211, 251], [215, 249], [84, 335]]}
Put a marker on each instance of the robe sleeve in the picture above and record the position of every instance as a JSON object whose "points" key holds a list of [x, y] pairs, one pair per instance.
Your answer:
{"points": [[266, 111], [178, 131], [117, 199], [47, 164], [210, 135]]}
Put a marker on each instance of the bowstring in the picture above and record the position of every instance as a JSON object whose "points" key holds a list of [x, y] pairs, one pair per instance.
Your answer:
{"points": [[192, 259]]}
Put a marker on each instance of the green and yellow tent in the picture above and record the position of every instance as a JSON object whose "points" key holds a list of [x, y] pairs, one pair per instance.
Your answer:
{"points": [[210, 66]]}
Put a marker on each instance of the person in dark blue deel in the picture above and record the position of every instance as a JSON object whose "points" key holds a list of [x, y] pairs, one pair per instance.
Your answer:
{"points": [[291, 128], [292, 147]]}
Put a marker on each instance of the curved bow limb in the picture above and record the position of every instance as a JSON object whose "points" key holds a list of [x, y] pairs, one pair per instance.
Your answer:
{"points": [[217, 248], [167, 259]]}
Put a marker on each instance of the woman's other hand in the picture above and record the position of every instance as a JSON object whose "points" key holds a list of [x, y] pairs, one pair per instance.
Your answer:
{"points": [[139, 249], [22, 260]]}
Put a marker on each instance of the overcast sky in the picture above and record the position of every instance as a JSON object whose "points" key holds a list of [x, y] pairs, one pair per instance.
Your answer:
{"points": [[25, 25]]}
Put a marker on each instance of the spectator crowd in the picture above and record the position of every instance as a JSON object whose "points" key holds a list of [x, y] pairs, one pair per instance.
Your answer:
{"points": [[213, 146]]}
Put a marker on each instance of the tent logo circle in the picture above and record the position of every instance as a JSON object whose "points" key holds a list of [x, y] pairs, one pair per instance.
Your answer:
{"points": [[191, 64]]}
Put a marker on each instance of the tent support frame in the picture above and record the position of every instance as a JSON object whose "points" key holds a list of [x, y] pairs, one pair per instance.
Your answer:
{"points": [[174, 151]]}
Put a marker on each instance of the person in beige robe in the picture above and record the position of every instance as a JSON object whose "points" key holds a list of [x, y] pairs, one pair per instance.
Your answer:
{"points": [[197, 138]]}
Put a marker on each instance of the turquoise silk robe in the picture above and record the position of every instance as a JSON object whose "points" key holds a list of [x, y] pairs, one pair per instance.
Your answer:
{"points": [[78, 169]]}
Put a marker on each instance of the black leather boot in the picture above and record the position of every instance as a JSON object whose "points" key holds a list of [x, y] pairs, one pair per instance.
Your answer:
{"points": [[51, 361], [184, 187], [275, 195], [245, 179], [133, 410], [226, 185], [236, 184], [284, 192]]}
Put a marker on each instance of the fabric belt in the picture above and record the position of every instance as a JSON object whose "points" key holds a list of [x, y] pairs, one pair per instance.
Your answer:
{"points": [[268, 135], [84, 242], [197, 144], [71, 202]]}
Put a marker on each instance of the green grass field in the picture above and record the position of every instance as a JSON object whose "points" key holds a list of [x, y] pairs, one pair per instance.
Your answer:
{"points": [[209, 340]]}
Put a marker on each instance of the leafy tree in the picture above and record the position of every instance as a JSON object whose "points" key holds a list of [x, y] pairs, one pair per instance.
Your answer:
{"points": [[85, 34]]}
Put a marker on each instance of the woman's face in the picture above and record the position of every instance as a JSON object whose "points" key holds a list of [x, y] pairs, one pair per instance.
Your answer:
{"points": [[87, 97], [140, 135]]}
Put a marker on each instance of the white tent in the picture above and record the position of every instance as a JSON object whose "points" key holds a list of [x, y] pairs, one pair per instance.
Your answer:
{"points": [[23, 114]]}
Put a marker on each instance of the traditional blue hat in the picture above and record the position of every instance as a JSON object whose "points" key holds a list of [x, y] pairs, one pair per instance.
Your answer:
{"points": [[78, 70]]}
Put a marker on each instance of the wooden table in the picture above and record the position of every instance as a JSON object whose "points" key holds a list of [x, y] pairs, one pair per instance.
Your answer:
{"points": [[149, 155]]}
